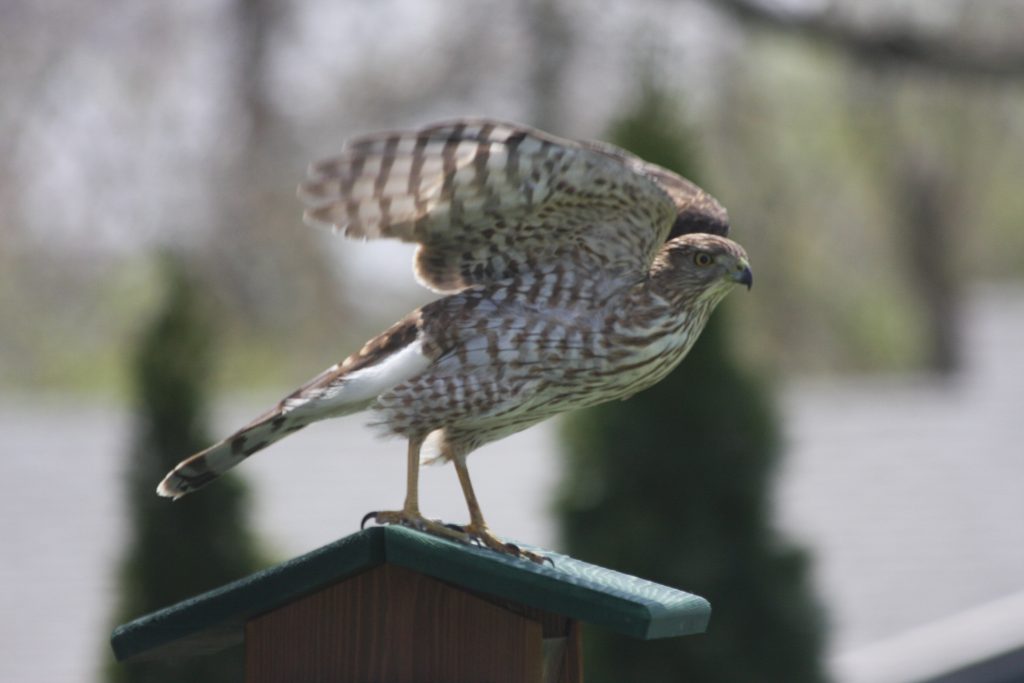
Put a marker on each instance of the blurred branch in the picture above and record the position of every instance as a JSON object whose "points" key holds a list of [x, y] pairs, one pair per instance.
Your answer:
{"points": [[885, 45]]}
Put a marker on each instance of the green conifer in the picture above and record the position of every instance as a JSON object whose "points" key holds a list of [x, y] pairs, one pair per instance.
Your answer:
{"points": [[176, 550], [674, 485]]}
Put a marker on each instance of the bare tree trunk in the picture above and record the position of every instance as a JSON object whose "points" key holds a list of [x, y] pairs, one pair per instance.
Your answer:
{"points": [[921, 166], [926, 194]]}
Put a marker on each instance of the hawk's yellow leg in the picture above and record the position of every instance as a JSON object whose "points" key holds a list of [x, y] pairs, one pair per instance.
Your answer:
{"points": [[477, 527], [476, 531], [410, 514]]}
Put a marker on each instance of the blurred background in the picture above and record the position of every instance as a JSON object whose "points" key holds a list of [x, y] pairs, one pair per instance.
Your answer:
{"points": [[846, 486]]}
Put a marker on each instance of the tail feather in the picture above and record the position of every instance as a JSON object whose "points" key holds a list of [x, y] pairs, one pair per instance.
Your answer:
{"points": [[205, 466], [391, 358]]}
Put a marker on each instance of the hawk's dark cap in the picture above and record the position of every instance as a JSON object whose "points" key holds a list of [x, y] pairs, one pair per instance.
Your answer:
{"points": [[216, 619]]}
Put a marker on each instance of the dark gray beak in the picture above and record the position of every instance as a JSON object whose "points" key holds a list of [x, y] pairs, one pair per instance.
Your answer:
{"points": [[744, 276]]}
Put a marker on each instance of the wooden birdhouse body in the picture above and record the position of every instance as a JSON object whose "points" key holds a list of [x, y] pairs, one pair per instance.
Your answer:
{"points": [[396, 625]]}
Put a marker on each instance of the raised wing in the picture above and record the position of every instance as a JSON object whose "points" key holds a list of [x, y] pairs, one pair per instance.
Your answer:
{"points": [[486, 200]]}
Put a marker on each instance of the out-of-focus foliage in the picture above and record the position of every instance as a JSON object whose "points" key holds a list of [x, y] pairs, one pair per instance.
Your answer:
{"points": [[189, 125], [178, 550], [819, 158], [675, 485]]}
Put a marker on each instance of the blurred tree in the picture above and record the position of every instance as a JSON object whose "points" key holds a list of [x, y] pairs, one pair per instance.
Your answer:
{"points": [[270, 270], [930, 212], [923, 184], [197, 543], [550, 32], [674, 485]]}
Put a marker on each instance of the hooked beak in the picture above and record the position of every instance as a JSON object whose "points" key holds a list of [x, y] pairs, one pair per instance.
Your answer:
{"points": [[743, 275]]}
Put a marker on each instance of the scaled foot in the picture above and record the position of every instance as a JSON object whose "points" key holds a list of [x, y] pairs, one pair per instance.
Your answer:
{"points": [[482, 535], [415, 520], [470, 534]]}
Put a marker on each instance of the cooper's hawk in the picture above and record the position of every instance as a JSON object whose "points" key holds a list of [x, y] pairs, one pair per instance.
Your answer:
{"points": [[573, 272]]}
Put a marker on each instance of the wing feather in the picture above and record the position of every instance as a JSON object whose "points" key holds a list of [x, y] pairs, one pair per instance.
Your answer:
{"points": [[487, 199]]}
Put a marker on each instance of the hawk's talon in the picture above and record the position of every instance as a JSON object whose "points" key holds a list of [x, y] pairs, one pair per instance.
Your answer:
{"points": [[367, 516], [536, 558], [483, 537]]}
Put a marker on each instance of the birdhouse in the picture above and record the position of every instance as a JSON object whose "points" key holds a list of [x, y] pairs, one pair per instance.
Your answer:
{"points": [[391, 604]]}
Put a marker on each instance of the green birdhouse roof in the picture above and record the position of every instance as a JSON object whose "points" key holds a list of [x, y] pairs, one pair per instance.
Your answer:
{"points": [[571, 588]]}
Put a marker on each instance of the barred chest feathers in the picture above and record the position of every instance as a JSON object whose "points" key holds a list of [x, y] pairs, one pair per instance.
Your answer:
{"points": [[511, 355]]}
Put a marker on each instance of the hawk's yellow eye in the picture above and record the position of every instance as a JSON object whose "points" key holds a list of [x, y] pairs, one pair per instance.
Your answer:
{"points": [[702, 258]]}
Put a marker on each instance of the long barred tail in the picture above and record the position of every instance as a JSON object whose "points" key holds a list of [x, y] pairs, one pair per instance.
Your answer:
{"points": [[205, 466], [386, 360]]}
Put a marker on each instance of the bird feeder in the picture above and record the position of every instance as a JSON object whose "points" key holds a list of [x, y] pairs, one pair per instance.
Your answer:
{"points": [[393, 605]]}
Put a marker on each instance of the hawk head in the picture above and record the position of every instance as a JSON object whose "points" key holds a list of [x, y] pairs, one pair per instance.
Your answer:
{"points": [[700, 266]]}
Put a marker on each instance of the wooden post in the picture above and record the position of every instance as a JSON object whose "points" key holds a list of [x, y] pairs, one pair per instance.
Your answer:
{"points": [[393, 605]]}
